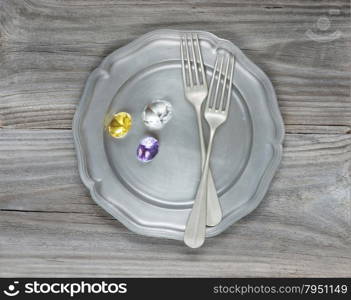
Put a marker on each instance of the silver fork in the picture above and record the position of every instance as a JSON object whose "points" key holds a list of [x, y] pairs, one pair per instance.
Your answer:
{"points": [[196, 90], [216, 113]]}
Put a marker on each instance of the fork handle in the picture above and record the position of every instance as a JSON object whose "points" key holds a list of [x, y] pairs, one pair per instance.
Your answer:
{"points": [[195, 230], [214, 211]]}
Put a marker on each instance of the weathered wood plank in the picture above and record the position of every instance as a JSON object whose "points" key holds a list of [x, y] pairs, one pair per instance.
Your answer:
{"points": [[49, 226], [48, 48], [326, 129]]}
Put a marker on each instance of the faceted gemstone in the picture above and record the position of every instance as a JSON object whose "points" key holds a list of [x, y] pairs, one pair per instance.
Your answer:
{"points": [[157, 114], [120, 125], [147, 149]]}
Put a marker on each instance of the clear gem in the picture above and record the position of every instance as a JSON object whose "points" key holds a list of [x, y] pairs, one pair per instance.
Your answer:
{"points": [[147, 149], [120, 125], [157, 114]]}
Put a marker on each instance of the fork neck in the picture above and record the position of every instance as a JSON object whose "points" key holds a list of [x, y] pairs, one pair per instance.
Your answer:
{"points": [[197, 106]]}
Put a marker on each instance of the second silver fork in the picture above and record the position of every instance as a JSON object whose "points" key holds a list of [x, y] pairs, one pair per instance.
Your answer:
{"points": [[196, 90], [216, 113]]}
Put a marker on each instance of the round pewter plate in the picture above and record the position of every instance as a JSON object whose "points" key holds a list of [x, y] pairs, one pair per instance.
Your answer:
{"points": [[155, 199]]}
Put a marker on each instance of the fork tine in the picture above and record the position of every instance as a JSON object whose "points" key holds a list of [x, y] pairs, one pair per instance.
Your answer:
{"points": [[220, 107], [204, 81], [215, 101], [196, 70], [230, 85], [188, 61], [208, 104], [183, 63]]}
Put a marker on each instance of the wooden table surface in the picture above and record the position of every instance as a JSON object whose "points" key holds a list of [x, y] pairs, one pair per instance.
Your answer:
{"points": [[50, 226]]}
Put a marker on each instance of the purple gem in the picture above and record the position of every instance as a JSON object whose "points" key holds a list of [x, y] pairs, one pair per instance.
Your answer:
{"points": [[147, 149]]}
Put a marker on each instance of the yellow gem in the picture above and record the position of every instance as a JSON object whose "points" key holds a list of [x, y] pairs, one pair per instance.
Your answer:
{"points": [[120, 125]]}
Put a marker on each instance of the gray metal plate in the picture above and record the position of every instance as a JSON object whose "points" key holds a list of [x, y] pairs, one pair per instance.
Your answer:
{"points": [[155, 198]]}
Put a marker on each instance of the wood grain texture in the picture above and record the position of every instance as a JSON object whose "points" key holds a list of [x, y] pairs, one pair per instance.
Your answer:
{"points": [[50, 226], [48, 48]]}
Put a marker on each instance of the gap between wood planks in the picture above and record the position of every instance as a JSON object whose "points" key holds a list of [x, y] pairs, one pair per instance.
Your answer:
{"points": [[289, 129]]}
